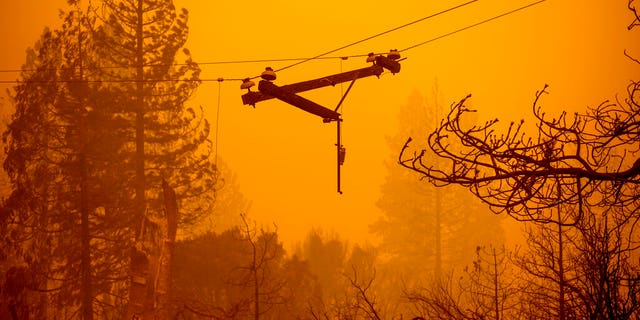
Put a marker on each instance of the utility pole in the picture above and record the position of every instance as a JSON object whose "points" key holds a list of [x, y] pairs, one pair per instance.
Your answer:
{"points": [[288, 93]]}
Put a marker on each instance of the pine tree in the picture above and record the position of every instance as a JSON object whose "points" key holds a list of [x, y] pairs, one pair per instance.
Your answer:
{"points": [[61, 153], [427, 230], [27, 142], [143, 40], [78, 142], [151, 77]]}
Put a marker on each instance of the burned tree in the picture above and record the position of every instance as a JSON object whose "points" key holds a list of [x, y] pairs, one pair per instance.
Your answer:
{"points": [[586, 166], [487, 289], [570, 159]]}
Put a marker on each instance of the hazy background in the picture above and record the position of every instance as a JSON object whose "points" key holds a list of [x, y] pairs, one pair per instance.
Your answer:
{"points": [[284, 158]]}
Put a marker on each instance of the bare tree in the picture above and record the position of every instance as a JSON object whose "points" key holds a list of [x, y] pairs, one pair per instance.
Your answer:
{"points": [[582, 165], [569, 158], [265, 251], [567, 161], [607, 283], [546, 274], [487, 289], [364, 300]]}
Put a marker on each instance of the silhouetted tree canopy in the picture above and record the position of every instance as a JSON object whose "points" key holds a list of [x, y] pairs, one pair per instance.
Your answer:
{"points": [[570, 158], [155, 79], [576, 179], [216, 276], [73, 158]]}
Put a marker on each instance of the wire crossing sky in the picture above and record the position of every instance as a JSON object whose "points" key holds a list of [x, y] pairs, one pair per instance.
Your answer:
{"points": [[283, 159], [299, 60]]}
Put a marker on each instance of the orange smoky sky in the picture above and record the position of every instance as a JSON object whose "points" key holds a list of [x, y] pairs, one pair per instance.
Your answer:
{"points": [[284, 158]]}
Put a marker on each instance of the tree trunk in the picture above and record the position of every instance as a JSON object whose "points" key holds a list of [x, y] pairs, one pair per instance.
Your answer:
{"points": [[85, 235], [561, 283], [138, 304], [495, 284], [139, 124], [438, 217], [438, 231], [86, 290], [164, 278]]}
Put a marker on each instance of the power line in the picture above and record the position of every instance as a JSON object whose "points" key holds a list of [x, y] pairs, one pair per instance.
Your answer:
{"points": [[473, 25], [219, 79], [300, 60], [375, 35], [120, 81], [180, 64]]}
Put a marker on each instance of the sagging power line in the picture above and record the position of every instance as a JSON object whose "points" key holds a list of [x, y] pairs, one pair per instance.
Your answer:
{"points": [[300, 60], [247, 61], [473, 25], [377, 35], [289, 93]]}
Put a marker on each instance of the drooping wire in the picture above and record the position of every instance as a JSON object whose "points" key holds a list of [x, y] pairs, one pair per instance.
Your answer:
{"points": [[268, 60], [118, 80], [300, 60], [473, 25], [155, 65], [374, 36], [15, 70]]}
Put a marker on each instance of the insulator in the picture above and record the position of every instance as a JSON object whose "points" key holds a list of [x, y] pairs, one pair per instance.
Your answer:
{"points": [[268, 74], [393, 54], [371, 57], [247, 83]]}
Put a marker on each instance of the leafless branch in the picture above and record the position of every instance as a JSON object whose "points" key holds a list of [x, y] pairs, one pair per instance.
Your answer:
{"points": [[362, 288], [520, 174], [632, 7]]}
